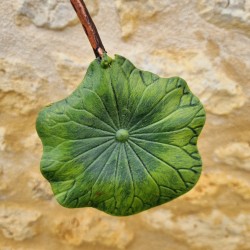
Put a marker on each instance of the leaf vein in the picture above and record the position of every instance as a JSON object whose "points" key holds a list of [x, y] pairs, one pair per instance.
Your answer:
{"points": [[166, 163], [130, 171], [104, 166], [112, 129], [116, 102], [139, 158], [114, 126], [152, 109], [153, 124], [161, 143]]}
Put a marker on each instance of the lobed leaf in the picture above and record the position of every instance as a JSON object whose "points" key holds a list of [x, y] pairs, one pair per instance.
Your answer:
{"points": [[124, 141]]}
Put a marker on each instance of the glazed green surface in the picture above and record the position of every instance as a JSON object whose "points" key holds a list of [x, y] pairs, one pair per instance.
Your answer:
{"points": [[124, 141]]}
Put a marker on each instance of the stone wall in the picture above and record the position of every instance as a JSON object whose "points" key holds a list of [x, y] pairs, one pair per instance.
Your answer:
{"points": [[43, 56]]}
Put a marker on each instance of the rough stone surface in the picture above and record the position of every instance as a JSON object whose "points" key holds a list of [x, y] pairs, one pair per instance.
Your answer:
{"points": [[93, 227], [2, 133], [40, 189], [18, 223], [70, 70], [235, 154], [228, 228], [43, 58], [231, 14], [51, 14], [3, 182], [19, 86], [225, 232], [220, 98], [134, 12]]}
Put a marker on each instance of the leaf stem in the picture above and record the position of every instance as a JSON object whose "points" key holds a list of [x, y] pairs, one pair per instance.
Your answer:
{"points": [[89, 27]]}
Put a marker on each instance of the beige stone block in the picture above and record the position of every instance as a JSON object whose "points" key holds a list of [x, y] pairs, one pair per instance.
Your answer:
{"points": [[3, 182], [19, 76], [93, 227], [43, 60], [214, 230], [51, 14], [230, 14], [211, 185], [19, 86], [134, 13], [2, 142], [70, 70], [40, 188], [235, 154], [219, 93], [12, 248], [31, 142], [18, 223]]}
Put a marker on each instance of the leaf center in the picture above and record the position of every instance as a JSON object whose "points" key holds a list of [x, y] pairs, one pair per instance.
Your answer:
{"points": [[122, 135]]}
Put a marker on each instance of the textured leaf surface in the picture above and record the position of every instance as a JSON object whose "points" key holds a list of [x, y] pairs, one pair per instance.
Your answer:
{"points": [[123, 142]]}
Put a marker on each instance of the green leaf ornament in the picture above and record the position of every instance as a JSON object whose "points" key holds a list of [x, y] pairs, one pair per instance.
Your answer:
{"points": [[123, 142]]}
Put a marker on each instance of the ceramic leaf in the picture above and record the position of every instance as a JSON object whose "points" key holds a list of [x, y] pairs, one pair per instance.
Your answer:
{"points": [[124, 141]]}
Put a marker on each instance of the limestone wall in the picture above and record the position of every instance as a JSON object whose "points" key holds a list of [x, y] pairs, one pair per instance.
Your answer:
{"points": [[43, 56]]}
